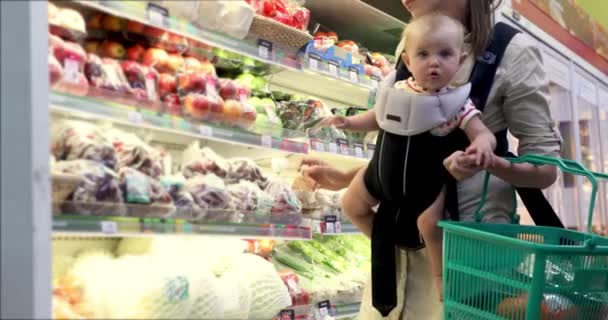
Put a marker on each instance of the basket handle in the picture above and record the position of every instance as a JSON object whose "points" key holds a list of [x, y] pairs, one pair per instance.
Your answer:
{"points": [[566, 165]]}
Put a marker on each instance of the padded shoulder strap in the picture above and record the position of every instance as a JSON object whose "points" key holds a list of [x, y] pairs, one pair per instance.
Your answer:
{"points": [[485, 67]]}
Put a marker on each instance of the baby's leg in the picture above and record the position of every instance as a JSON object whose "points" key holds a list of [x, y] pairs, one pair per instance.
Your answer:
{"points": [[433, 237], [357, 204]]}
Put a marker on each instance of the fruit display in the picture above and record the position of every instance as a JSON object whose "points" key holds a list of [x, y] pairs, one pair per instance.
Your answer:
{"points": [[287, 12]]}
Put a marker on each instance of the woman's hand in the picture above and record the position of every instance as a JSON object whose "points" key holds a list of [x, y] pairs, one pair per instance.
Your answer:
{"points": [[325, 175], [339, 122], [463, 166]]}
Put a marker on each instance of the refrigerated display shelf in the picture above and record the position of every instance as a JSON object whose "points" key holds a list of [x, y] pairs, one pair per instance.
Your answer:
{"points": [[100, 109], [345, 80], [349, 310], [131, 226], [345, 227]]}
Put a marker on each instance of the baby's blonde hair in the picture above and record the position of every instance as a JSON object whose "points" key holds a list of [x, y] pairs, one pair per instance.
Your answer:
{"points": [[429, 23]]}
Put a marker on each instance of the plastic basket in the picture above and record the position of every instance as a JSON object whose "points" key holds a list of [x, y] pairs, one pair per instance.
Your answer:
{"points": [[509, 271]]}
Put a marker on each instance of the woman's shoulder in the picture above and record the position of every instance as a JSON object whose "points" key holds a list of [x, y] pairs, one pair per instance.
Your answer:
{"points": [[521, 50]]}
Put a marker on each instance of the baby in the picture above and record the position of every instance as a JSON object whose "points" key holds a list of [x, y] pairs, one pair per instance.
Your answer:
{"points": [[433, 53]]}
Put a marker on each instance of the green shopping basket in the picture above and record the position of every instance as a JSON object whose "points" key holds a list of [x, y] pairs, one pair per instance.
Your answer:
{"points": [[510, 271]]}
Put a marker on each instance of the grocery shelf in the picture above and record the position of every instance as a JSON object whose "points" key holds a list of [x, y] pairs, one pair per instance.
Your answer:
{"points": [[133, 226], [290, 70], [344, 228], [346, 310], [100, 109]]}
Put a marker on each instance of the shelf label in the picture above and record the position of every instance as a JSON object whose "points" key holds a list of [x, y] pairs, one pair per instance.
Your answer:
{"points": [[375, 82], [313, 61], [157, 14], [331, 225], [287, 315], [264, 48], [370, 150], [333, 68], [151, 86], [353, 74], [324, 308], [206, 131], [343, 143], [135, 117], [267, 141], [109, 227], [333, 147], [317, 145], [71, 70], [358, 150]]}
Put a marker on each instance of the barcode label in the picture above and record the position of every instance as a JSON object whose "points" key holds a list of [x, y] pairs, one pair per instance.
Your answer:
{"points": [[109, 227], [359, 151], [264, 49], [70, 70], [353, 74], [333, 69], [206, 131], [333, 147], [267, 141], [313, 64], [135, 117]]}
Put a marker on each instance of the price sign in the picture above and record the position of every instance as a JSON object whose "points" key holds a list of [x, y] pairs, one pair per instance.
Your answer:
{"points": [[343, 143], [375, 82], [353, 74], [313, 61], [358, 150], [324, 308], [157, 15], [333, 68], [205, 131], [267, 141], [264, 49], [333, 147], [71, 70], [109, 227], [370, 150], [331, 225], [317, 145], [135, 117]]}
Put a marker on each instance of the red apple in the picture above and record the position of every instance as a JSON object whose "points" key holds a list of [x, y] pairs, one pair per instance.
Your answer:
{"points": [[320, 34], [191, 81], [112, 49], [91, 46], [156, 57], [197, 106], [166, 84], [172, 104], [207, 67], [192, 64], [135, 27], [94, 21], [155, 32], [175, 62], [112, 23], [232, 111], [228, 89], [136, 52]]}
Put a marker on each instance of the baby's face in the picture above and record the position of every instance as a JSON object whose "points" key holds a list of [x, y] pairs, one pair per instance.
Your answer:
{"points": [[433, 58]]}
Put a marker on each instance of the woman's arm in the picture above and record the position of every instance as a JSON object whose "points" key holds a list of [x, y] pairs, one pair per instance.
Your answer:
{"points": [[327, 176]]}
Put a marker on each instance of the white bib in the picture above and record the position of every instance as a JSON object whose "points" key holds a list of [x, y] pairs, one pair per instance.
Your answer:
{"points": [[407, 114]]}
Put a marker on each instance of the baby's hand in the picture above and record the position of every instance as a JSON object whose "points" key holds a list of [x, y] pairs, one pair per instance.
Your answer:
{"points": [[339, 122], [483, 149]]}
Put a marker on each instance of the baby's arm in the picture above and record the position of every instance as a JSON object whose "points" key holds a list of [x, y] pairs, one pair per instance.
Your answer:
{"points": [[361, 122]]}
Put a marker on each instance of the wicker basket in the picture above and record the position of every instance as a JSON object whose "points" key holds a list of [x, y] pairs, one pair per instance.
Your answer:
{"points": [[282, 36]]}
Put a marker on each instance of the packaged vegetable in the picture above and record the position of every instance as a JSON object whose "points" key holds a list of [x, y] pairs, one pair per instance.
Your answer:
{"points": [[106, 73], [134, 152], [141, 188], [285, 199], [142, 79], [245, 169], [209, 192], [186, 208], [197, 161], [247, 196], [72, 140]]}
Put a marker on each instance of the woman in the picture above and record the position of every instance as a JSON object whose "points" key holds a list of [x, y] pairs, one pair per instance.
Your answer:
{"points": [[518, 101]]}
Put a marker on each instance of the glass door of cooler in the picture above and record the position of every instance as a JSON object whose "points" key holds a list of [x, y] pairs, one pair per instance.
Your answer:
{"points": [[603, 128], [590, 143]]}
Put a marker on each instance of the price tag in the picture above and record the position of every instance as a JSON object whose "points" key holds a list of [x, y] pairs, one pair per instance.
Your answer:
{"points": [[287, 315], [157, 15], [333, 68], [206, 131], [313, 61], [324, 308], [353, 74], [375, 82], [71, 70], [333, 147], [318, 145], [135, 117], [358, 150], [109, 227], [343, 143], [264, 49], [267, 141], [151, 87], [370, 150], [331, 225]]}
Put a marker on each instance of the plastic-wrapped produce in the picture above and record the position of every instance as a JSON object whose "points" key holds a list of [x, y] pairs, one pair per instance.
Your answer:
{"points": [[140, 188], [248, 197], [186, 208], [55, 70], [285, 199], [245, 169], [199, 161], [133, 152], [72, 140], [142, 79], [209, 192], [98, 192], [106, 73]]}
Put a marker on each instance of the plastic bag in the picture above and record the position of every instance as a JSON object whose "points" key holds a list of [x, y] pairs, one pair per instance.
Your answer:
{"points": [[247, 196], [199, 161], [285, 200], [96, 192], [106, 73], [245, 169], [133, 152], [209, 192], [142, 79], [55, 70], [72, 140], [186, 208]]}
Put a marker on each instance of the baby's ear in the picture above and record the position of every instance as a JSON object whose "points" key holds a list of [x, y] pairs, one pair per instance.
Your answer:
{"points": [[463, 57], [405, 59]]}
